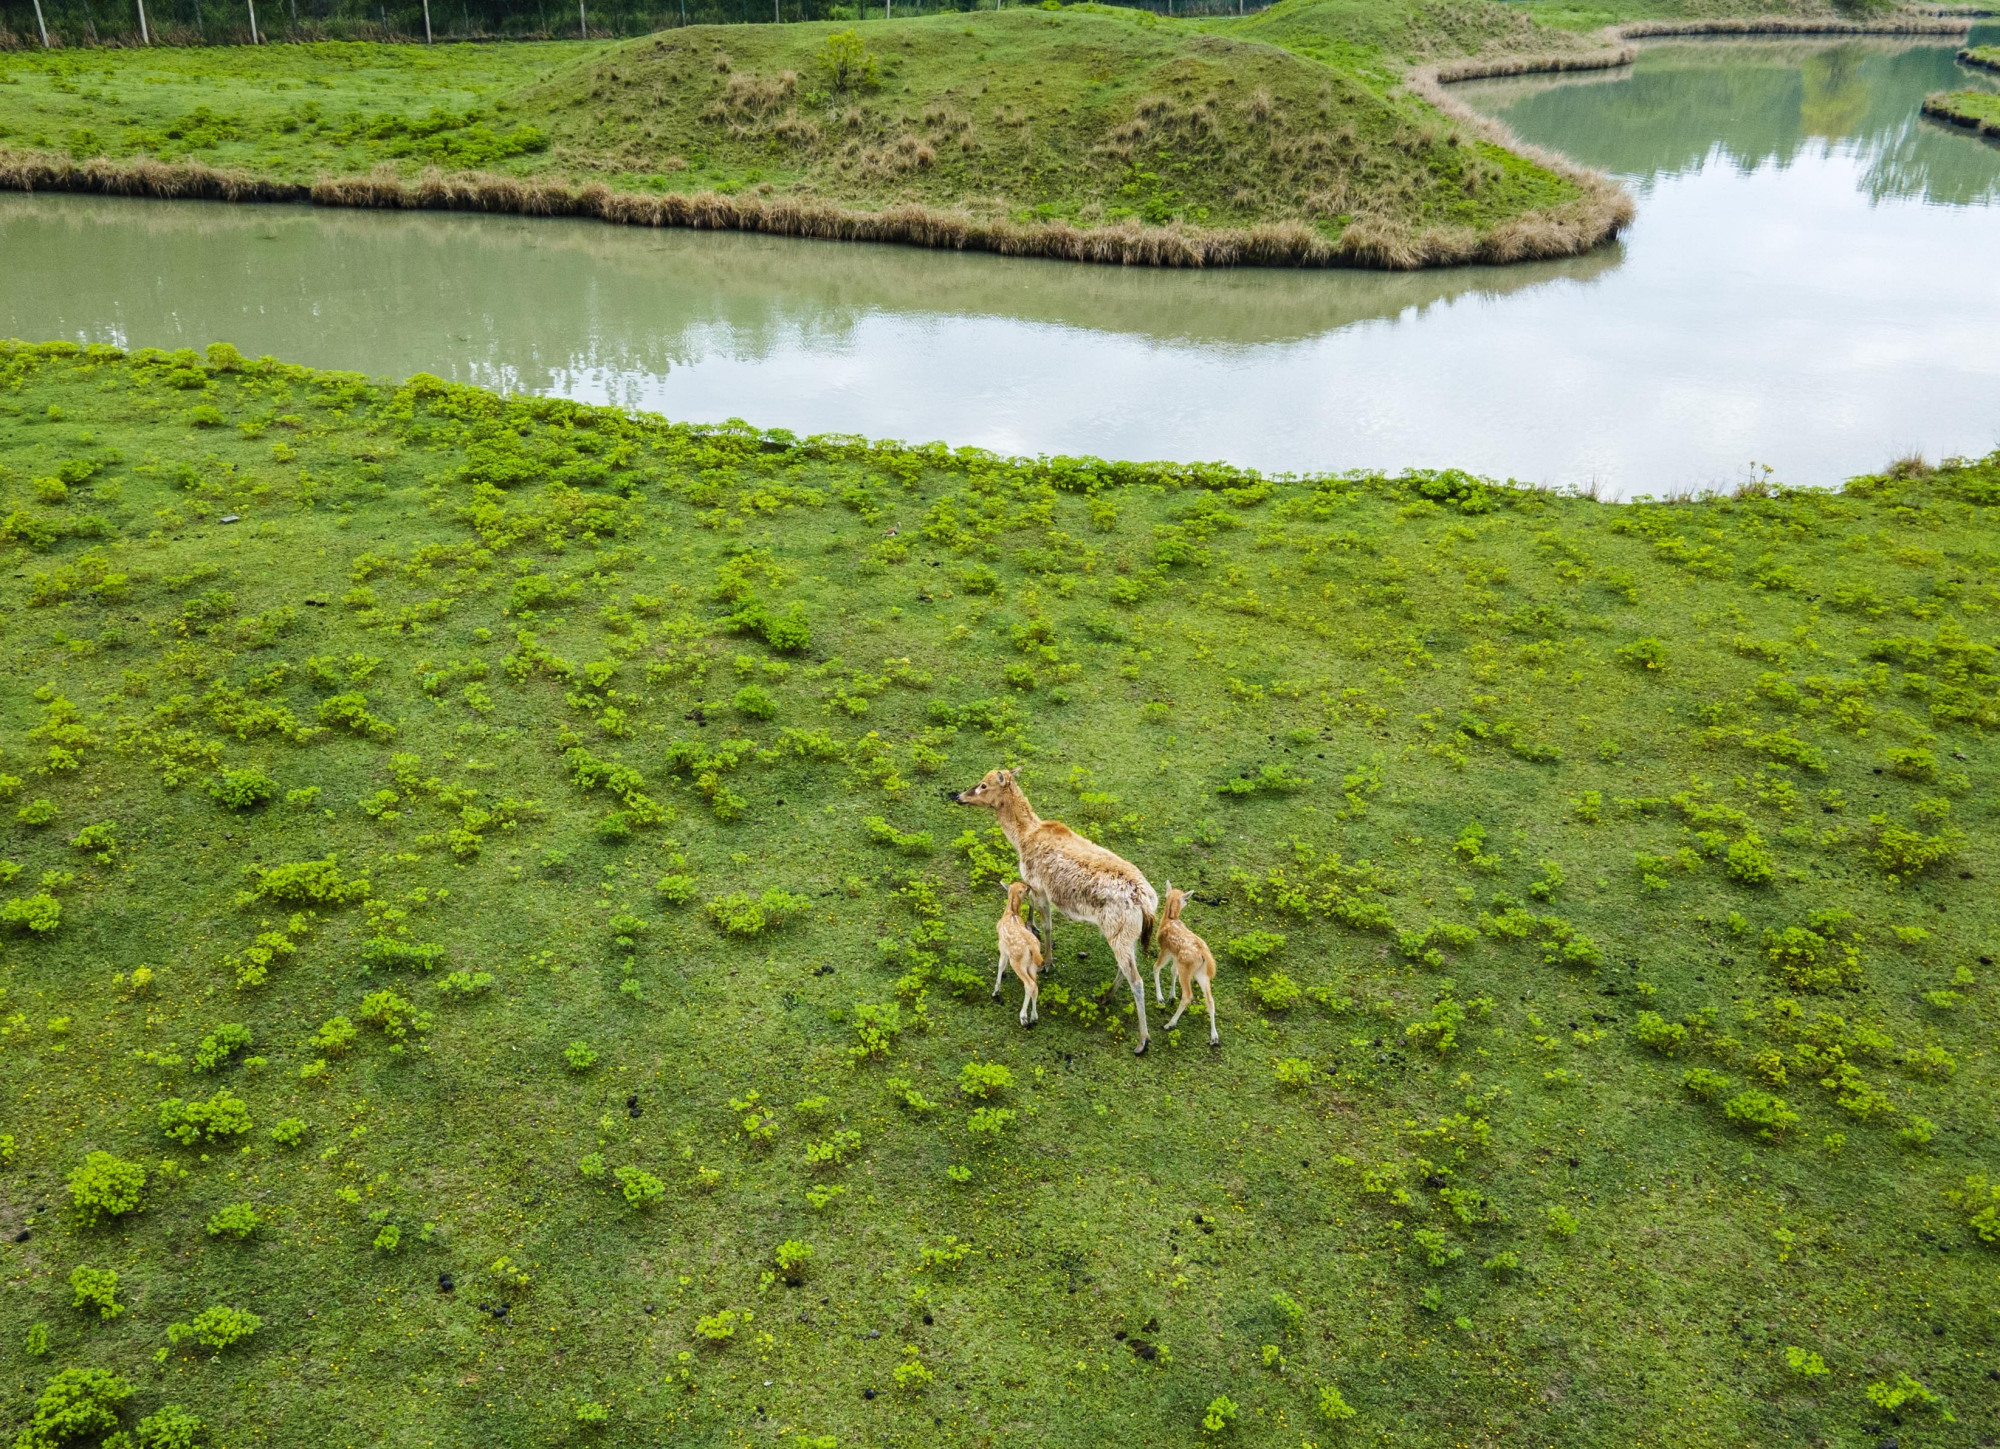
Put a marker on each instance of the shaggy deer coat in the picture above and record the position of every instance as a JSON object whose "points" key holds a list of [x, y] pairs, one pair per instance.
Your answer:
{"points": [[1192, 959], [1064, 872], [1021, 949]]}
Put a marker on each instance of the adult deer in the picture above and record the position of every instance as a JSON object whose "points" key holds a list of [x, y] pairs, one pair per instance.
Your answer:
{"points": [[1064, 872]]}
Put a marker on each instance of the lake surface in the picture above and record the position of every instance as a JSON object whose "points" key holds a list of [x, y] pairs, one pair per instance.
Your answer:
{"points": [[1810, 285]]}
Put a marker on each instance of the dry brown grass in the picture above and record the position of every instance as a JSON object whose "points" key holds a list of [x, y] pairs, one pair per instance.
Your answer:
{"points": [[1369, 241]]}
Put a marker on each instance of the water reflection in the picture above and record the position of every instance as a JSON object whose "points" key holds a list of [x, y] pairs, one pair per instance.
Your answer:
{"points": [[1683, 104], [514, 302]]}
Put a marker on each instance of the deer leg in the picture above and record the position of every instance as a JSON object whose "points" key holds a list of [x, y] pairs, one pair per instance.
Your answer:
{"points": [[1028, 992], [1000, 976], [1208, 996], [1157, 996], [1128, 967]]}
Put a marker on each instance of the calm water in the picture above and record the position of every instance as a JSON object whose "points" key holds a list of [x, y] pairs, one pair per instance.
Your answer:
{"points": [[1810, 284]]}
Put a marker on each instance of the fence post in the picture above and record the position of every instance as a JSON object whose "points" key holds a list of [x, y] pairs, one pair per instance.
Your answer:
{"points": [[582, 21], [41, 24], [144, 34], [253, 22], [427, 22]]}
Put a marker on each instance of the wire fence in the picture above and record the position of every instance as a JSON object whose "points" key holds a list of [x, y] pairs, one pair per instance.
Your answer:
{"points": [[61, 24]]}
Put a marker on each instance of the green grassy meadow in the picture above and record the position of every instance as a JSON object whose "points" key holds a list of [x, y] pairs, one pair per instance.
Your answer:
{"points": [[478, 872]]}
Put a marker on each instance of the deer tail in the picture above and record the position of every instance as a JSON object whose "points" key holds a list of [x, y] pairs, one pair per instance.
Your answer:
{"points": [[1146, 932]]}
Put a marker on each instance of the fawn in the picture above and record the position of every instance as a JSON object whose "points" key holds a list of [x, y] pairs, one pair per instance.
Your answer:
{"points": [[1021, 949], [1192, 959], [1086, 882]]}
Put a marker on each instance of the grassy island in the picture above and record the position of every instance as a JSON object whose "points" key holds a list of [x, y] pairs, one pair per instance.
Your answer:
{"points": [[1088, 132], [487, 960], [1978, 110]]}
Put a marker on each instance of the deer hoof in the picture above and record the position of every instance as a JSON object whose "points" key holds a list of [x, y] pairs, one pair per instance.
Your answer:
{"points": [[1140, 1049]]}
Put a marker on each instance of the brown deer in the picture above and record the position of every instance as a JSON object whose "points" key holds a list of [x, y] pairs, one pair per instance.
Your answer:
{"points": [[1020, 948], [1192, 959], [1064, 872]]}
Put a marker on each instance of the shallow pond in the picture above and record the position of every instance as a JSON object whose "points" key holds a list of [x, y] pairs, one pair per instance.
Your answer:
{"points": [[1809, 285]]}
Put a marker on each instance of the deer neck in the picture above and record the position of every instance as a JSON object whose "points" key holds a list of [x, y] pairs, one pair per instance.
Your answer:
{"points": [[1017, 820]]}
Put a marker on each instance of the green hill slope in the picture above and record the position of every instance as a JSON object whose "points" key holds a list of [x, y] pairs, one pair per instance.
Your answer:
{"points": [[477, 869], [1104, 135]]}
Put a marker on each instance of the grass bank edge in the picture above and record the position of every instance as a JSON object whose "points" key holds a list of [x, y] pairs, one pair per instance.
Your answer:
{"points": [[1569, 230]]}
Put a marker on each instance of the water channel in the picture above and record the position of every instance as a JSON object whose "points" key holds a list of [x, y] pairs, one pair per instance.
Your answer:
{"points": [[1809, 285]]}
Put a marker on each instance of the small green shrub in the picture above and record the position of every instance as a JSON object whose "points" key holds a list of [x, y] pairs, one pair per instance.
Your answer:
{"points": [[742, 914], [238, 1220], [1562, 1223], [220, 1045], [1276, 992], [580, 1056], [990, 1122], [1648, 654], [1296, 1073], [1253, 946], [1979, 1200], [96, 1288], [792, 1257], [984, 1079], [1907, 1392], [755, 701], [1805, 1363], [189, 1122], [917, 842], [216, 1328], [1768, 1116], [36, 1344], [1651, 1029], [336, 1035], [676, 890], [40, 913], [106, 1186], [641, 1188], [1219, 1415], [243, 789], [1702, 1083], [289, 1132], [1332, 1407], [949, 1253], [395, 1015], [719, 1328], [591, 1412], [169, 1427], [1748, 861], [77, 1403]]}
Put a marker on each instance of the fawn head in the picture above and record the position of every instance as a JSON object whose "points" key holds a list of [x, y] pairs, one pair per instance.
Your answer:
{"points": [[1014, 894], [1170, 908]]}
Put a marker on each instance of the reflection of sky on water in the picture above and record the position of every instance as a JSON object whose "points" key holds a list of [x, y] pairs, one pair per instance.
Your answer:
{"points": [[1808, 285], [1691, 105]]}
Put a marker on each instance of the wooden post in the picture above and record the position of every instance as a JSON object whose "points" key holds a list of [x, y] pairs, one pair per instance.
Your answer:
{"points": [[41, 24], [253, 22], [427, 22], [144, 34], [582, 21]]}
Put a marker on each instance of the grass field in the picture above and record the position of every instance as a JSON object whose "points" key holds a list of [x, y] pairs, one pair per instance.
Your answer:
{"points": [[479, 872], [1088, 118]]}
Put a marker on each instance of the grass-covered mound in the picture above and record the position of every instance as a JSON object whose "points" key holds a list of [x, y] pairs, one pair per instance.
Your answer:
{"points": [[487, 960], [1098, 134], [1979, 110]]}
